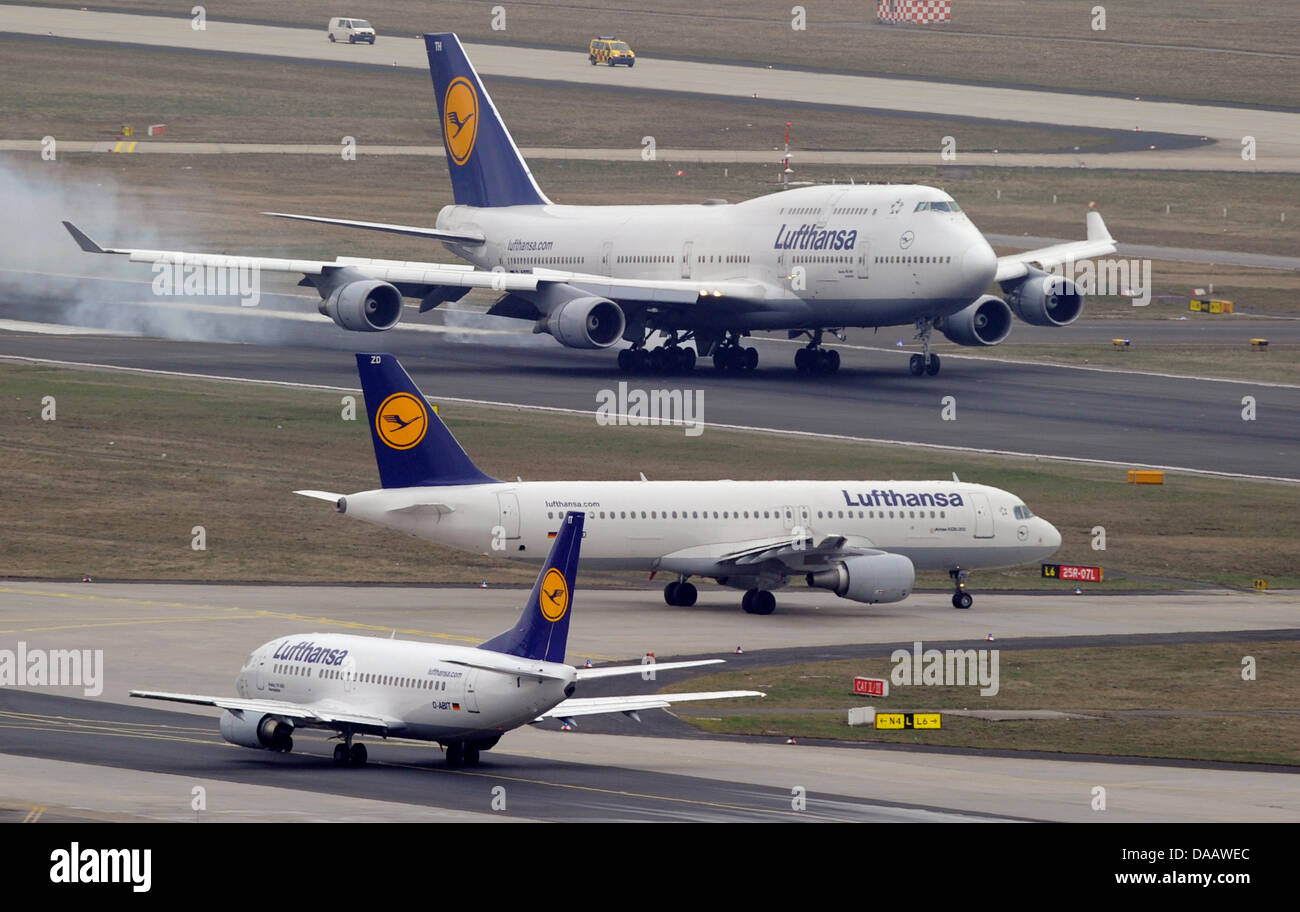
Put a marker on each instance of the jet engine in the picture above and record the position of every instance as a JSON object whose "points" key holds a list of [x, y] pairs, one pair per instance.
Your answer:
{"points": [[868, 578], [986, 322], [264, 732], [585, 322], [364, 306], [1045, 300]]}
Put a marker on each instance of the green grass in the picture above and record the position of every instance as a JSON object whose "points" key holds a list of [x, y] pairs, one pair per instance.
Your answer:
{"points": [[114, 486], [1278, 364], [1181, 701]]}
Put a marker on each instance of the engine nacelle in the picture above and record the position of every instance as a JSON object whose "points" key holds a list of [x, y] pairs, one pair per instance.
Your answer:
{"points": [[262, 732], [1046, 300], [868, 578], [588, 322], [986, 322], [364, 306]]}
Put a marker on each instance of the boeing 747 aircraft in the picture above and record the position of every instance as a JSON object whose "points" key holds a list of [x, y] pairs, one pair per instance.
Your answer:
{"points": [[862, 540], [806, 261], [460, 696]]}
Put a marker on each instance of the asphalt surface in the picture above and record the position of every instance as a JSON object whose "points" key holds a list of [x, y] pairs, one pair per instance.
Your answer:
{"points": [[1277, 132], [107, 756], [1014, 407]]}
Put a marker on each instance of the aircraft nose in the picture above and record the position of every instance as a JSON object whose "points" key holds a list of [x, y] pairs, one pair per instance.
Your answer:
{"points": [[1051, 537], [979, 264]]}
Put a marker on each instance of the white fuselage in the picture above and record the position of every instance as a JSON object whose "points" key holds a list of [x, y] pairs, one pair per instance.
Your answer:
{"points": [[843, 255], [421, 684], [686, 526]]}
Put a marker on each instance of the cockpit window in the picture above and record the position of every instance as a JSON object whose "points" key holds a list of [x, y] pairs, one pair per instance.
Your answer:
{"points": [[1023, 512], [937, 206]]}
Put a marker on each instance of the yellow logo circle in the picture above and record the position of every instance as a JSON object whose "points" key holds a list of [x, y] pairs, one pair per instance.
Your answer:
{"points": [[555, 595], [460, 119], [402, 421]]}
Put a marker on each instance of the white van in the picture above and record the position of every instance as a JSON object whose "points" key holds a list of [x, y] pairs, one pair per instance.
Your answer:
{"points": [[351, 30]]}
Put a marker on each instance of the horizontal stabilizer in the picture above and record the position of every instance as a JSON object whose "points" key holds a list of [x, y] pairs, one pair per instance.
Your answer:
{"points": [[589, 674]]}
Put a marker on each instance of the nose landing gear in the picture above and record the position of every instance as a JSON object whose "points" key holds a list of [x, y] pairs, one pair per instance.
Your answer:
{"points": [[924, 363], [960, 597]]}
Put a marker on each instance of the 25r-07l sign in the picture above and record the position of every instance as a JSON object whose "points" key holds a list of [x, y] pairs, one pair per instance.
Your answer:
{"points": [[1072, 573]]}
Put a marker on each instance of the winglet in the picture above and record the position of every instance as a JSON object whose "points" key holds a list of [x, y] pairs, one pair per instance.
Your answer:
{"points": [[1097, 230], [83, 240]]}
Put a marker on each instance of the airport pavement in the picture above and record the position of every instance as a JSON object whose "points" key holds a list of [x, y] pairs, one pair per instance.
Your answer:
{"points": [[109, 756], [1277, 132]]}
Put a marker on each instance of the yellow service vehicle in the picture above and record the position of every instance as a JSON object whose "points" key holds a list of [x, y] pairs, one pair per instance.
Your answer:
{"points": [[608, 49]]}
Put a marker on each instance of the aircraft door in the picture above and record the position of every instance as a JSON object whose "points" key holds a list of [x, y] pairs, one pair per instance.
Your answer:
{"points": [[688, 253], [471, 690], [864, 260], [349, 670], [509, 505], [983, 516], [607, 258], [261, 672]]}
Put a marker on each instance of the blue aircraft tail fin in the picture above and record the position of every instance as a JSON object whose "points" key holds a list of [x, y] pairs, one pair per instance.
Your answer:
{"points": [[543, 628], [486, 167], [412, 445]]}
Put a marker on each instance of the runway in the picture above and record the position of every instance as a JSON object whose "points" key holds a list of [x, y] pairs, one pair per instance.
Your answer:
{"points": [[110, 757], [1002, 406], [1278, 132]]}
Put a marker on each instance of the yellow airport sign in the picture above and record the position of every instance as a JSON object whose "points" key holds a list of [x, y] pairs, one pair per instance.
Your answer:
{"points": [[897, 721]]}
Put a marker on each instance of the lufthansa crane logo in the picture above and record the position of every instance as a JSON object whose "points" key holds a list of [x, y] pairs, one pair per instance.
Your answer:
{"points": [[554, 599], [460, 119], [402, 421]]}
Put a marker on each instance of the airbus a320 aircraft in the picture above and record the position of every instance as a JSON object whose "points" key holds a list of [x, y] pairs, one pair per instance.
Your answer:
{"points": [[862, 540], [807, 261], [462, 697]]}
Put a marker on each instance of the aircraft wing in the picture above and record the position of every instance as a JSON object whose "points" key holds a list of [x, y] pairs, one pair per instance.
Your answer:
{"points": [[412, 277], [313, 716], [588, 674], [1099, 243], [591, 706], [804, 549], [437, 234]]}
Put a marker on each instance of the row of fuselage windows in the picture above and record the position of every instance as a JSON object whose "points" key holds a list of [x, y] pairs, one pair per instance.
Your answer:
{"points": [[844, 210], [914, 259], [821, 258], [305, 671], [546, 261], [746, 514]]}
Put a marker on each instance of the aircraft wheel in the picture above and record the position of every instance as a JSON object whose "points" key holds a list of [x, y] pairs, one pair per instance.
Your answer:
{"points": [[686, 594], [456, 754], [916, 365], [832, 361], [359, 755], [751, 358], [471, 755], [640, 361], [660, 360], [331, 39], [933, 367], [763, 602], [670, 592], [962, 600], [625, 360], [747, 601], [686, 360], [801, 360], [287, 745], [341, 754]]}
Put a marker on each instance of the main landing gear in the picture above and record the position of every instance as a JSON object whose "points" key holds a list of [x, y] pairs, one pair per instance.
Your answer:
{"points": [[758, 601], [680, 594], [670, 358], [924, 363], [731, 356], [466, 753], [349, 754], [813, 359], [960, 597]]}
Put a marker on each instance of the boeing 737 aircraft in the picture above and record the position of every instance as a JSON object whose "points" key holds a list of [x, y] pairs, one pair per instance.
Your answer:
{"points": [[460, 696], [863, 540], [806, 261]]}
